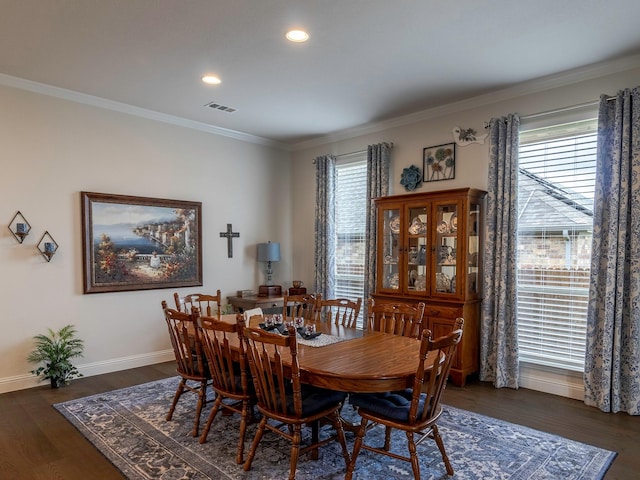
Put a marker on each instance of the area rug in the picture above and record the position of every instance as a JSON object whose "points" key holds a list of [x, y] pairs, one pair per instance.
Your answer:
{"points": [[128, 426]]}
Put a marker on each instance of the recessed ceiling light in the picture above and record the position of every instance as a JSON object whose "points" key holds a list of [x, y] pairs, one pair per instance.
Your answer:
{"points": [[211, 79], [297, 36]]}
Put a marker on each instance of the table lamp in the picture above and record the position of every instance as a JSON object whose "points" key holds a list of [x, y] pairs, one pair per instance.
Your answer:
{"points": [[269, 252]]}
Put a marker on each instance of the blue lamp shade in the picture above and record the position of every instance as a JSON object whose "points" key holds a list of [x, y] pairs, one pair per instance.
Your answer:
{"points": [[269, 252]]}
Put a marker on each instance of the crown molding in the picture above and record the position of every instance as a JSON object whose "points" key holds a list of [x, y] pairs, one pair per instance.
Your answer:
{"points": [[538, 85], [72, 96]]}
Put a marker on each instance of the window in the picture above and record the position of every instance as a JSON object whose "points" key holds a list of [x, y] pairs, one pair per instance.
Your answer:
{"points": [[555, 196], [351, 194]]}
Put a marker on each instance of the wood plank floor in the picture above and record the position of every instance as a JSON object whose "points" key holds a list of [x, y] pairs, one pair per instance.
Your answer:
{"points": [[36, 442]]}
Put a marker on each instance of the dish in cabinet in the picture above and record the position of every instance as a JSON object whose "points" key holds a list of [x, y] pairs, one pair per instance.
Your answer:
{"points": [[443, 282], [453, 223], [417, 227], [394, 224], [442, 227]]}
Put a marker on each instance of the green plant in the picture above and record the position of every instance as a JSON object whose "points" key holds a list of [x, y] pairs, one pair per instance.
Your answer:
{"points": [[55, 350]]}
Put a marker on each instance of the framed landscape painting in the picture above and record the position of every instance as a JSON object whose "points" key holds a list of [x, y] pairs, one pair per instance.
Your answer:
{"points": [[140, 243]]}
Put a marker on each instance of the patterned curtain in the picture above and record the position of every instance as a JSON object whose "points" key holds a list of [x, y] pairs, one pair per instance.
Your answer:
{"points": [[325, 246], [498, 328], [378, 161], [612, 361]]}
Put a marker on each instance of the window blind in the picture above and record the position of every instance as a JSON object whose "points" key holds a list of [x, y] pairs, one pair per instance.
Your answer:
{"points": [[555, 224], [351, 193]]}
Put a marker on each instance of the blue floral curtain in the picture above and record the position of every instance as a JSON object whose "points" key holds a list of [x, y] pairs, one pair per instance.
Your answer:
{"points": [[325, 246], [612, 361], [378, 161], [498, 329]]}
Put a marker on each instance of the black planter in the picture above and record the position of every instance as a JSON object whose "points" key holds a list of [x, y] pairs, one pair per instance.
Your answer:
{"points": [[56, 382]]}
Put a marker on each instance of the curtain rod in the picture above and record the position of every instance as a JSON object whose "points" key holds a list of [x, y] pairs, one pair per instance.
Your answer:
{"points": [[359, 152], [559, 110]]}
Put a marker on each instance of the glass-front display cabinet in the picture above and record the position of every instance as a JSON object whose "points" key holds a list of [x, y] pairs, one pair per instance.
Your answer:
{"points": [[429, 249]]}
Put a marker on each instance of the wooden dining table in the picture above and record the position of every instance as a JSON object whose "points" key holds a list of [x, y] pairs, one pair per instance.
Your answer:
{"points": [[362, 362]]}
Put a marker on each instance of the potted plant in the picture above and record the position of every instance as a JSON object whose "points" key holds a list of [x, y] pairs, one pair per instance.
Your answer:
{"points": [[55, 350]]}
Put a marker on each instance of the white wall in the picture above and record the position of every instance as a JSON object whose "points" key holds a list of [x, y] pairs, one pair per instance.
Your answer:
{"points": [[51, 150], [409, 138]]}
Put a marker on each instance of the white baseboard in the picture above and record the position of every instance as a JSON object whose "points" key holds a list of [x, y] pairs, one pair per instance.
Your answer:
{"points": [[549, 380], [20, 382]]}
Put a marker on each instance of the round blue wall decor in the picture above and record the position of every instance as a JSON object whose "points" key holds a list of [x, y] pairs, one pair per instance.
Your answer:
{"points": [[411, 178]]}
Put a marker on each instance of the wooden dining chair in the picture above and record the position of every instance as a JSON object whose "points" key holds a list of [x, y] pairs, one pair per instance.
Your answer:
{"points": [[229, 373], [208, 305], [339, 311], [305, 305], [397, 318], [415, 410], [283, 399], [191, 363]]}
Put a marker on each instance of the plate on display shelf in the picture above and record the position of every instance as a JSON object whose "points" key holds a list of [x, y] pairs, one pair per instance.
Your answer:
{"points": [[443, 282], [442, 227], [394, 281], [453, 223], [394, 224]]}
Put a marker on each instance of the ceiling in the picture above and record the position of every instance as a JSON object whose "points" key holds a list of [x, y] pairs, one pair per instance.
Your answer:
{"points": [[366, 61]]}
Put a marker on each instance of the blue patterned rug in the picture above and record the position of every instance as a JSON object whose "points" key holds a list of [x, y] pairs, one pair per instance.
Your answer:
{"points": [[128, 427]]}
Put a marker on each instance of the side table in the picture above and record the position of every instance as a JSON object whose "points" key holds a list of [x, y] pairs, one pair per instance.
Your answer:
{"points": [[268, 304]]}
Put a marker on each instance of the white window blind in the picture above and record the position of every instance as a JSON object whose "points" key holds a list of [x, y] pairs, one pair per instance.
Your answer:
{"points": [[351, 193], [555, 196]]}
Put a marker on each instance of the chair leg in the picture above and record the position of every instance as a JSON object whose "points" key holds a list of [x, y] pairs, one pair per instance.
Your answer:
{"points": [[415, 465], [356, 449], [440, 443], [387, 438], [295, 449], [212, 416], [202, 395], [315, 438], [337, 425], [244, 417], [176, 397], [254, 445]]}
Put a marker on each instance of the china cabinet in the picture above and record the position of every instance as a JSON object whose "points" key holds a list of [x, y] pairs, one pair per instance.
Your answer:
{"points": [[428, 249]]}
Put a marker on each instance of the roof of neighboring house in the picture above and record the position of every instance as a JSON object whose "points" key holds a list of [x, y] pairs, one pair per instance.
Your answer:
{"points": [[549, 206]]}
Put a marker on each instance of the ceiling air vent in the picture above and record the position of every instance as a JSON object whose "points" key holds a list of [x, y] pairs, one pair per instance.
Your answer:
{"points": [[223, 108]]}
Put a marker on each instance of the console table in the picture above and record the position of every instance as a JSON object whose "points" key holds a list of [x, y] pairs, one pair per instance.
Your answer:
{"points": [[269, 304]]}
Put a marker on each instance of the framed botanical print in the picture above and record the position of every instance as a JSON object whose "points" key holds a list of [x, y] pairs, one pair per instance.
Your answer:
{"points": [[439, 162]]}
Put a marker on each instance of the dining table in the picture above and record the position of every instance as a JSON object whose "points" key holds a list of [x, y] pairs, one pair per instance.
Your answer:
{"points": [[352, 360]]}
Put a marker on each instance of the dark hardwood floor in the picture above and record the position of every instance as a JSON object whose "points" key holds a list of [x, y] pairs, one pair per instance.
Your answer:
{"points": [[36, 442]]}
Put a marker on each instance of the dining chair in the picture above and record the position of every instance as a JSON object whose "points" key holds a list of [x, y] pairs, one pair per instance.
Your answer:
{"points": [[252, 312], [230, 378], [283, 399], [398, 318], [304, 305], [340, 311], [415, 410], [208, 305], [191, 363]]}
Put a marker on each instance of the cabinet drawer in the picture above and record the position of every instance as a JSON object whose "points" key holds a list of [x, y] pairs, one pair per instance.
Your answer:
{"points": [[442, 311]]}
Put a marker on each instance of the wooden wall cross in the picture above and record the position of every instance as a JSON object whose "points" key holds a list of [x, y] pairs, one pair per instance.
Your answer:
{"points": [[230, 235]]}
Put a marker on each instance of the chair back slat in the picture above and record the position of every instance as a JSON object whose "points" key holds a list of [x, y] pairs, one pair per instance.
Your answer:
{"points": [[226, 376], [339, 311], [185, 341], [304, 306], [432, 382], [396, 318], [209, 305], [272, 380]]}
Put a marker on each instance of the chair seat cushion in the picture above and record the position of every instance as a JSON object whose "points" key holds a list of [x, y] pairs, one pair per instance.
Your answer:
{"points": [[392, 405], [315, 399]]}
